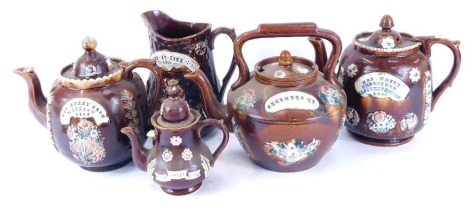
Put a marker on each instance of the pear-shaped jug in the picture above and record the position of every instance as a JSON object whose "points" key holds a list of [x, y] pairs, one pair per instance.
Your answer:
{"points": [[170, 37]]}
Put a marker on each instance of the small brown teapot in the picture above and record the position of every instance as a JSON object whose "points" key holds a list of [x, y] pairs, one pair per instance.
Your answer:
{"points": [[179, 160], [287, 115], [87, 106], [387, 78]]}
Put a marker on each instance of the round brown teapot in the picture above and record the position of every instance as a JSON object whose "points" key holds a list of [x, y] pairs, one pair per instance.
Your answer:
{"points": [[287, 115], [179, 160], [388, 81], [88, 105]]}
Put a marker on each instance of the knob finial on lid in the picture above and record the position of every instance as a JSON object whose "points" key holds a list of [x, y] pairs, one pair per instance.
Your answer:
{"points": [[91, 64], [285, 59], [174, 108], [173, 89], [89, 43], [386, 23]]}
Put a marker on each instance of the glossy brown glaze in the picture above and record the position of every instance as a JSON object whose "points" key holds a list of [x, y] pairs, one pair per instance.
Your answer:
{"points": [[88, 105], [196, 40], [179, 161], [320, 53], [277, 114], [387, 78]]}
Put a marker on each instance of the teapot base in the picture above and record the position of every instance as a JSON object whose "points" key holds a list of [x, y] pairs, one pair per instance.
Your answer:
{"points": [[179, 192], [109, 167], [380, 142], [285, 169]]}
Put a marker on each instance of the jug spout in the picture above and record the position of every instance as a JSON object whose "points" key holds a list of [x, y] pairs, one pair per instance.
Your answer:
{"points": [[161, 26], [37, 101], [139, 153], [154, 20], [214, 108]]}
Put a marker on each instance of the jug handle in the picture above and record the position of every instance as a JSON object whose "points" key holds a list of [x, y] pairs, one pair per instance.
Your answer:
{"points": [[426, 43], [219, 124], [320, 53], [156, 71], [231, 34], [308, 29]]}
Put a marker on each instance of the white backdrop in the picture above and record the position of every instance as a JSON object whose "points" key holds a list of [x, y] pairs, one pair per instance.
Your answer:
{"points": [[432, 169]]}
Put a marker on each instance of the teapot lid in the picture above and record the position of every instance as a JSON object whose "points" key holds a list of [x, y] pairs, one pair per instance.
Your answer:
{"points": [[286, 70], [92, 69], [386, 42], [175, 111]]}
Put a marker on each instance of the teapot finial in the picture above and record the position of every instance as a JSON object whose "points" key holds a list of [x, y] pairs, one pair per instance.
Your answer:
{"points": [[89, 43], [174, 107], [285, 59], [173, 89], [91, 64], [386, 23]]}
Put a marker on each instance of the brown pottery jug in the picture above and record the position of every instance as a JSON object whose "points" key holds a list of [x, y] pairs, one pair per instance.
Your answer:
{"points": [[287, 114], [170, 39], [387, 77], [88, 105], [179, 160]]}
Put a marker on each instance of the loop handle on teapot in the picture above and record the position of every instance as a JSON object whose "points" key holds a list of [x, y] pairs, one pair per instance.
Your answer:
{"points": [[308, 29], [426, 43], [156, 71], [219, 124]]}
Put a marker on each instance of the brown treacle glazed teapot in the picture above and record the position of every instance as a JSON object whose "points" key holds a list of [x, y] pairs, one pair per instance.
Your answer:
{"points": [[179, 160], [287, 115], [388, 81], [88, 105]]}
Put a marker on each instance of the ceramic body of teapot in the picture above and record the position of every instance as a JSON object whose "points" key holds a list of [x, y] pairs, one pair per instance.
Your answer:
{"points": [[179, 160], [287, 114], [169, 38], [388, 81], [87, 106]]}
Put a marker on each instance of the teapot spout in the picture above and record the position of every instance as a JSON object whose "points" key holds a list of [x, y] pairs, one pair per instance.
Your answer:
{"points": [[214, 108], [37, 101], [139, 153]]}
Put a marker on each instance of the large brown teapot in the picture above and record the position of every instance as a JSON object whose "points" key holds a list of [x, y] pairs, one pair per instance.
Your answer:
{"points": [[88, 105], [388, 81], [288, 114]]}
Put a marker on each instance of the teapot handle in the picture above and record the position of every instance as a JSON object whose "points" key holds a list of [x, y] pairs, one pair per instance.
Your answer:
{"points": [[288, 30], [426, 43], [219, 124], [320, 53], [231, 34], [156, 71]]}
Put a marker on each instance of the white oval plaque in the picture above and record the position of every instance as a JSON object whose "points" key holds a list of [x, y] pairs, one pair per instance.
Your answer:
{"points": [[291, 100], [83, 108], [382, 85], [169, 60]]}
